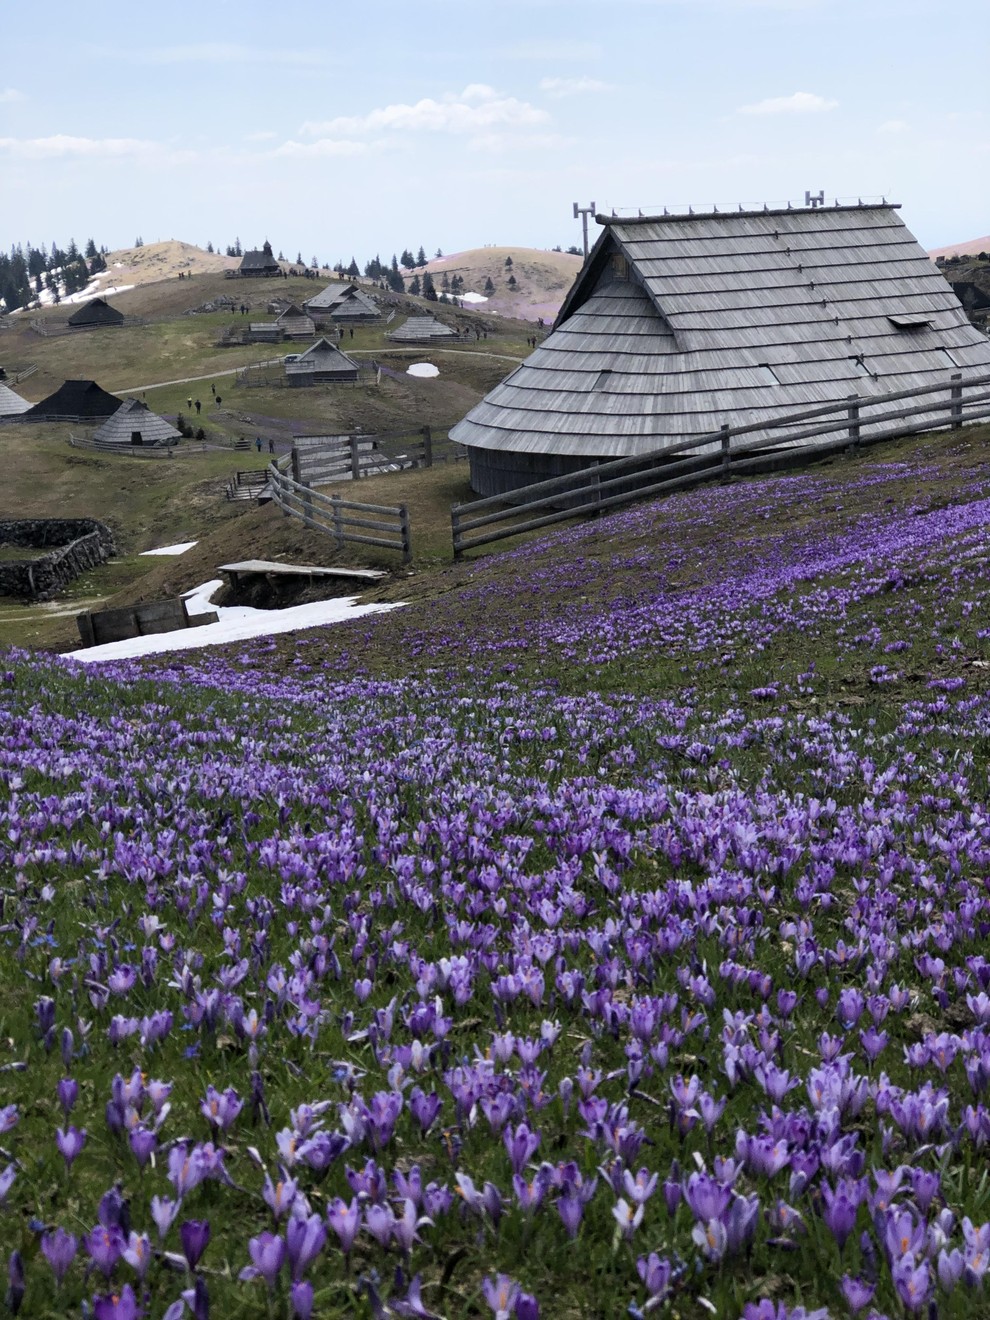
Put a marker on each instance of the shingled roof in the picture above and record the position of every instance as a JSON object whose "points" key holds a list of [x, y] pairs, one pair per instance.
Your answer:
{"points": [[11, 403], [679, 323], [421, 330], [135, 419]]}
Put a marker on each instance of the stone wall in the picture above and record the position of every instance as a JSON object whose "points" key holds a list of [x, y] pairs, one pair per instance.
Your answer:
{"points": [[74, 545]]}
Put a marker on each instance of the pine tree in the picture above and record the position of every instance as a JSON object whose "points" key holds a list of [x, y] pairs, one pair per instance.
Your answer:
{"points": [[209, 246], [414, 287], [489, 286], [395, 282], [421, 256], [90, 249], [429, 290], [353, 269], [406, 260], [508, 261]]}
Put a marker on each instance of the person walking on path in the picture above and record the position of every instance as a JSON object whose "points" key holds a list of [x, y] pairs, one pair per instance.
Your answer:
{"points": [[257, 443], [198, 406], [271, 444]]}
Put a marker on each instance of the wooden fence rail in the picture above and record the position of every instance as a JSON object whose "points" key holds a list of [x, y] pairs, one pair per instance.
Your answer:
{"points": [[339, 518], [608, 485]]}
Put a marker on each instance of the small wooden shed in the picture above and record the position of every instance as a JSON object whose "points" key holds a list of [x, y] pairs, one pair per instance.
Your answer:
{"points": [[421, 330], [135, 424], [322, 363], [95, 315]]}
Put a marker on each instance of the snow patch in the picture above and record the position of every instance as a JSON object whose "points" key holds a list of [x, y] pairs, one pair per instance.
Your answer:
{"points": [[422, 369], [471, 297], [237, 623], [179, 549]]}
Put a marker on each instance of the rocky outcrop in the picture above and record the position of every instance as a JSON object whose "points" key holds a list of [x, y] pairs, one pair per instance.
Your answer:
{"points": [[74, 545]]}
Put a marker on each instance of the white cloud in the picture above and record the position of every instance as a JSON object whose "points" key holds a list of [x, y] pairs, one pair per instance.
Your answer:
{"points": [[558, 87], [62, 145], [801, 103], [477, 107], [10, 94]]}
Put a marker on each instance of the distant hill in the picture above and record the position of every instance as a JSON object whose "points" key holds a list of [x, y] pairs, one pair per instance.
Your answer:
{"points": [[159, 261], [542, 279], [967, 249]]}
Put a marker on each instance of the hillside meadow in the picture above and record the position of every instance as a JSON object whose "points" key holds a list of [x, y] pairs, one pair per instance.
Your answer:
{"points": [[603, 933]]}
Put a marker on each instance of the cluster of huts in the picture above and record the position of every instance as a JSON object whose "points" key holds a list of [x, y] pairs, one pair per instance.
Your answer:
{"points": [[120, 421], [676, 325]]}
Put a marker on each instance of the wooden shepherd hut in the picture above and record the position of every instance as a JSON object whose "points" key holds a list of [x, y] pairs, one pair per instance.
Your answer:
{"points": [[94, 315], [75, 401], [421, 330], [677, 324], [294, 323], [344, 303], [322, 363], [135, 424]]}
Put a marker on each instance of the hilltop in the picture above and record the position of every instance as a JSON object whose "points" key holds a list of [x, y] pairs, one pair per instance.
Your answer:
{"points": [[542, 279]]}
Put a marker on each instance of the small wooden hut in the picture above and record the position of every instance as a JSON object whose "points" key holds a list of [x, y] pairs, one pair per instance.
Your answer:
{"points": [[322, 363], [294, 323], [343, 303], [95, 315], [421, 330], [135, 424]]}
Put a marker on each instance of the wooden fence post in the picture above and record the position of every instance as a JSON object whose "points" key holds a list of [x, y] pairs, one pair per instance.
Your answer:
{"points": [[338, 522], [955, 404], [853, 414], [406, 533], [455, 532], [726, 450], [352, 440], [296, 465], [427, 447], [307, 503]]}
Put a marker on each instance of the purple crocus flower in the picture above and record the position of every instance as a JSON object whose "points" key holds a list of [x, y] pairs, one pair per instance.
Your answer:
{"points": [[520, 1145], [138, 1253], [59, 1249], [267, 1252], [526, 1307], [220, 1109], [301, 1300], [380, 1222], [305, 1238], [500, 1294], [68, 1091], [15, 1282], [197, 1298], [344, 1220], [143, 1143], [194, 1234], [70, 1143], [117, 1306], [912, 1279], [857, 1292], [105, 1247]]}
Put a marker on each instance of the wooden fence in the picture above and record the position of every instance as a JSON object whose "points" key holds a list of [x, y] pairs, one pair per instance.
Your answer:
{"points": [[318, 460], [608, 485], [177, 449], [345, 520]]}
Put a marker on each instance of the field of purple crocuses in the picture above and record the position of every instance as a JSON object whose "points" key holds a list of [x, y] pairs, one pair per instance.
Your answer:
{"points": [[606, 936]]}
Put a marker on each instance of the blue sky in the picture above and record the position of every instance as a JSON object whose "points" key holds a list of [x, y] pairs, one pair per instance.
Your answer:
{"points": [[349, 129]]}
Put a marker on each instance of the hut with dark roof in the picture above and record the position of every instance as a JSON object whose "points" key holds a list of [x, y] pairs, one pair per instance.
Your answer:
{"points": [[421, 330], [677, 324], [94, 315], [322, 363], [75, 401], [135, 424], [259, 264], [11, 403]]}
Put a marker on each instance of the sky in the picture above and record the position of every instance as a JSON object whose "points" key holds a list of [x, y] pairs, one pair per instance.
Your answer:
{"points": [[353, 129]]}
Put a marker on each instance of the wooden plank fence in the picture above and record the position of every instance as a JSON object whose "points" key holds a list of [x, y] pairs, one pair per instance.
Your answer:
{"points": [[178, 449], [345, 520], [609, 485], [320, 460]]}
